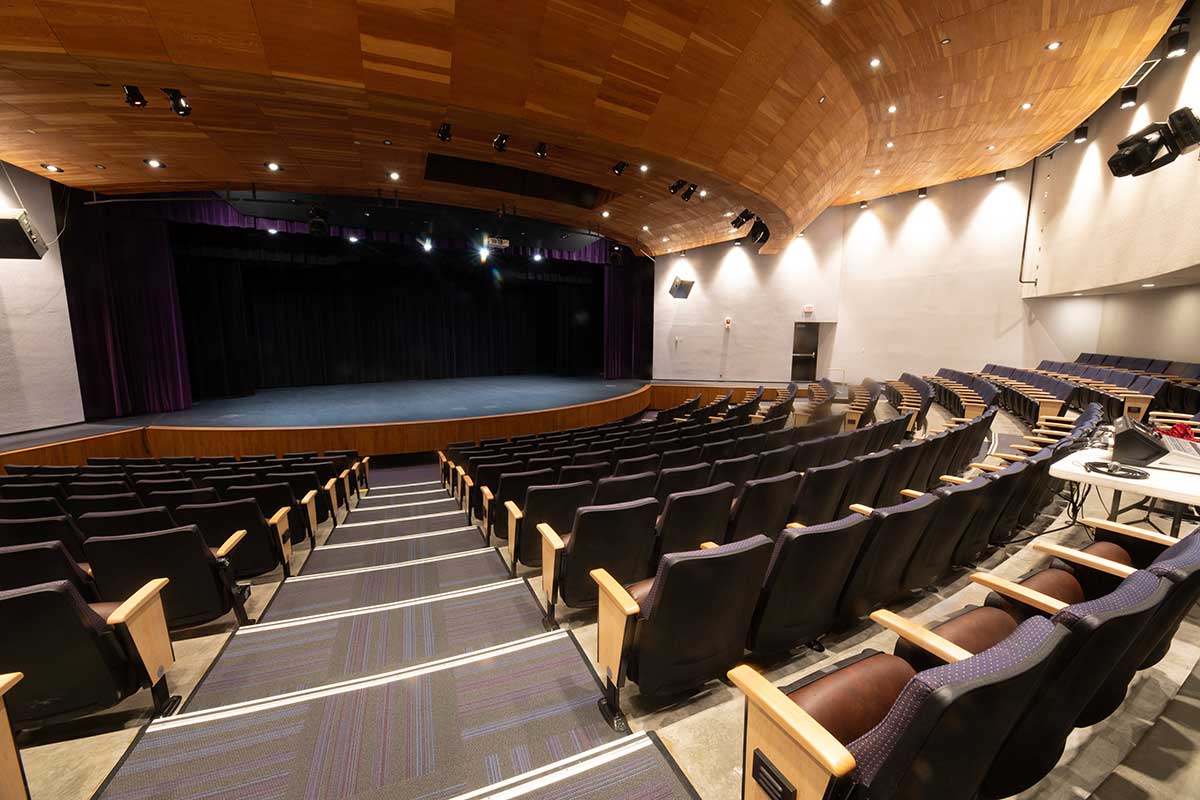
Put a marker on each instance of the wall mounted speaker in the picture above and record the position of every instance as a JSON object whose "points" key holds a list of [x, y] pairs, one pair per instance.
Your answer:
{"points": [[680, 288]]}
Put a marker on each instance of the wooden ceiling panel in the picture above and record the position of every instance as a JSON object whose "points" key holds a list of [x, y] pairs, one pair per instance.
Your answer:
{"points": [[723, 93]]}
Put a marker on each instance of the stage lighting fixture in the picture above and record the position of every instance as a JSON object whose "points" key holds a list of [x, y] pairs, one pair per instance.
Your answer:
{"points": [[500, 142], [443, 133], [541, 151], [738, 243], [394, 176], [1129, 97], [759, 232], [1054, 46], [179, 103], [427, 245], [687, 193], [620, 167], [1177, 44], [51, 168], [826, 2], [272, 166], [874, 63], [742, 218], [1081, 134], [318, 221], [644, 167], [863, 204], [352, 239], [703, 193], [922, 193], [134, 97], [1001, 176], [606, 214], [153, 163], [1142, 152], [272, 231], [537, 256], [483, 254], [676, 186]]}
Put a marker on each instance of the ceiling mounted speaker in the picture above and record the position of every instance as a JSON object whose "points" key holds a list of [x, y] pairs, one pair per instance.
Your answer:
{"points": [[759, 232]]}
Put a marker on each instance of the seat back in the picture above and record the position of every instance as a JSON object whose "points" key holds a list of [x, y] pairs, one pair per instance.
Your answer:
{"points": [[808, 570], [62, 529], [692, 517], [681, 479], [820, 493], [144, 488], [899, 474], [694, 621], [23, 491], [174, 499], [923, 475], [619, 538], [44, 562], [514, 486], [119, 523], [935, 551], [775, 462], [584, 472], [716, 450], [554, 505], [867, 477], [72, 660], [763, 507], [734, 470], [123, 564], [837, 447], [31, 508], [79, 488], [552, 463], [633, 466], [749, 445], [257, 553], [810, 453], [679, 457], [624, 489], [270, 496]]}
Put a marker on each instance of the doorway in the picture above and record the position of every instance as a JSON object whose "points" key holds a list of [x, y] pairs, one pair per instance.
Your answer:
{"points": [[804, 351]]}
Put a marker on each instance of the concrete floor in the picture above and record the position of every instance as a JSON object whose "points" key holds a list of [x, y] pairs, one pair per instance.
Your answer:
{"points": [[1145, 750]]}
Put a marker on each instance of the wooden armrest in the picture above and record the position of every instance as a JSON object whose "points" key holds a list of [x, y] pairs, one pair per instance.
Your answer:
{"points": [[331, 490], [986, 467], [859, 508], [709, 545], [280, 523], [1057, 419], [1129, 530], [1040, 439], [9, 680], [614, 632], [345, 476], [487, 493], [1170, 415], [146, 623], [959, 419], [1026, 448], [12, 776], [1022, 594], [309, 501], [1055, 426], [809, 756], [441, 457], [1085, 559], [227, 546], [1009, 456], [920, 636], [795, 525], [552, 545], [515, 515], [1053, 435], [912, 494], [957, 481]]}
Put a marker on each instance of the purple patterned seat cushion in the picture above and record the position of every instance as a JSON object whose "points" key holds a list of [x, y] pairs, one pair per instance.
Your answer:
{"points": [[1133, 590], [1178, 557]]}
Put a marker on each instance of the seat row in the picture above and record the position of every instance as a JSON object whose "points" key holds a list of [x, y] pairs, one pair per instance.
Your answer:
{"points": [[864, 398], [1183, 377], [911, 393], [1028, 394], [1120, 393], [982, 704], [965, 395]]}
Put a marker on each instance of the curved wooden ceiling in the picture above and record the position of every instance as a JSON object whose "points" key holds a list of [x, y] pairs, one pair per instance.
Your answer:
{"points": [[766, 104]]}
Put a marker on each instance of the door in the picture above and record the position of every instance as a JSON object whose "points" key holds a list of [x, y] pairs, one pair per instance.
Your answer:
{"points": [[804, 351]]}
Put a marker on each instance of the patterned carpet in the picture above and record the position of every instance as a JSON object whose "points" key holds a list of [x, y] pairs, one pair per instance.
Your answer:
{"points": [[333, 558], [403, 509], [358, 532]]}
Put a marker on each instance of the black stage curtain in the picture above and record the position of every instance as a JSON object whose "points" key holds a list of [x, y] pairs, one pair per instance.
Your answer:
{"points": [[300, 311]]}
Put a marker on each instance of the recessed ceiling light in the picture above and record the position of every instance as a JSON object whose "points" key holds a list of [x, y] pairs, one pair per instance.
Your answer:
{"points": [[644, 167], [857, 192], [704, 193], [153, 163], [537, 256], [666, 238], [922, 193], [946, 40], [352, 239], [394, 176], [646, 228], [604, 214], [271, 165], [427, 246], [387, 141], [101, 166], [1081, 134], [1001, 176], [1177, 44], [728, 213], [738, 243], [1147, 285], [1129, 97], [272, 231], [878, 171], [892, 109], [821, 100], [890, 145], [51, 168], [875, 63], [1077, 294], [1054, 46], [863, 204], [991, 147], [800, 235], [1026, 105], [826, 2]]}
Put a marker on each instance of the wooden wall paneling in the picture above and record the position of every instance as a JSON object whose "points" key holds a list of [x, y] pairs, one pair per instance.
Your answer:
{"points": [[129, 443]]}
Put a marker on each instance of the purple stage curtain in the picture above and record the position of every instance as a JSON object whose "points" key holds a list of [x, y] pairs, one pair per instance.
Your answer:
{"points": [[628, 319], [125, 321]]}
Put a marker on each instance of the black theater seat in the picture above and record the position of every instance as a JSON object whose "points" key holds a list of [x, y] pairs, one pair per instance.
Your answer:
{"points": [[763, 507], [267, 543], [693, 517], [119, 523], [554, 505]]}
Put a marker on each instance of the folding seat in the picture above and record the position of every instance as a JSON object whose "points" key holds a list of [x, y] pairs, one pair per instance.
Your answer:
{"points": [[594, 457], [684, 626], [144, 488], [200, 586], [808, 571], [945, 446], [681, 479], [327, 474], [157, 473], [714, 451], [274, 497], [552, 463], [487, 476], [100, 655], [632, 466], [62, 471], [176, 460], [306, 485], [819, 497], [877, 577], [865, 479], [872, 726], [29, 491], [569, 450], [624, 489], [692, 517], [776, 462], [748, 445], [304, 454], [44, 562], [174, 499], [104, 461], [876, 437], [627, 451], [119, 523], [583, 472], [763, 507], [837, 447], [93, 472], [856, 443], [223, 481], [934, 556], [681, 457], [31, 509], [735, 470], [268, 541], [554, 505], [619, 538], [511, 488], [80, 488], [810, 454], [923, 476], [88, 503], [43, 529]]}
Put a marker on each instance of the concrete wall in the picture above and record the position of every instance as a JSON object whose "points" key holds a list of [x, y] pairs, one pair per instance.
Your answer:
{"points": [[39, 386], [1159, 323]]}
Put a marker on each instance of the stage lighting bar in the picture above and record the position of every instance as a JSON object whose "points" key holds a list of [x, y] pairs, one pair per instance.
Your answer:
{"points": [[620, 167], [742, 218], [691, 190], [443, 132], [179, 103], [542, 151], [500, 143], [675, 187], [134, 96]]}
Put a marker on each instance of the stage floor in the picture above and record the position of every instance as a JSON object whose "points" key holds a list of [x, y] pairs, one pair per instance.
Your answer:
{"points": [[402, 401]]}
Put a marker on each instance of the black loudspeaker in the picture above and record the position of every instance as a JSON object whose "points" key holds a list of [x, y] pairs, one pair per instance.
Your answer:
{"points": [[1136, 444], [680, 288]]}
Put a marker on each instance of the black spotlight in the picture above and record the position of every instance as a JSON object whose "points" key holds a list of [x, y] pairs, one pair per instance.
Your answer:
{"points": [[1081, 134], [134, 97], [922, 193], [1001, 176], [1143, 151], [742, 218], [676, 186], [1177, 44], [318, 221], [691, 190], [500, 142], [443, 133], [541, 151], [179, 103], [1129, 97], [759, 232], [620, 167]]}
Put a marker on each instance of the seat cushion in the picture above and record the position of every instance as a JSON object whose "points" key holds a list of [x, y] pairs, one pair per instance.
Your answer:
{"points": [[856, 697]]}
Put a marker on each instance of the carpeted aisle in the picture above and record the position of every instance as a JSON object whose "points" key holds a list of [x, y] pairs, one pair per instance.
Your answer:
{"points": [[391, 550]]}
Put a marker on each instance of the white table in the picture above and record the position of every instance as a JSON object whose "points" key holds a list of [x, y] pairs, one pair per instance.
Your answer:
{"points": [[1163, 484]]}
